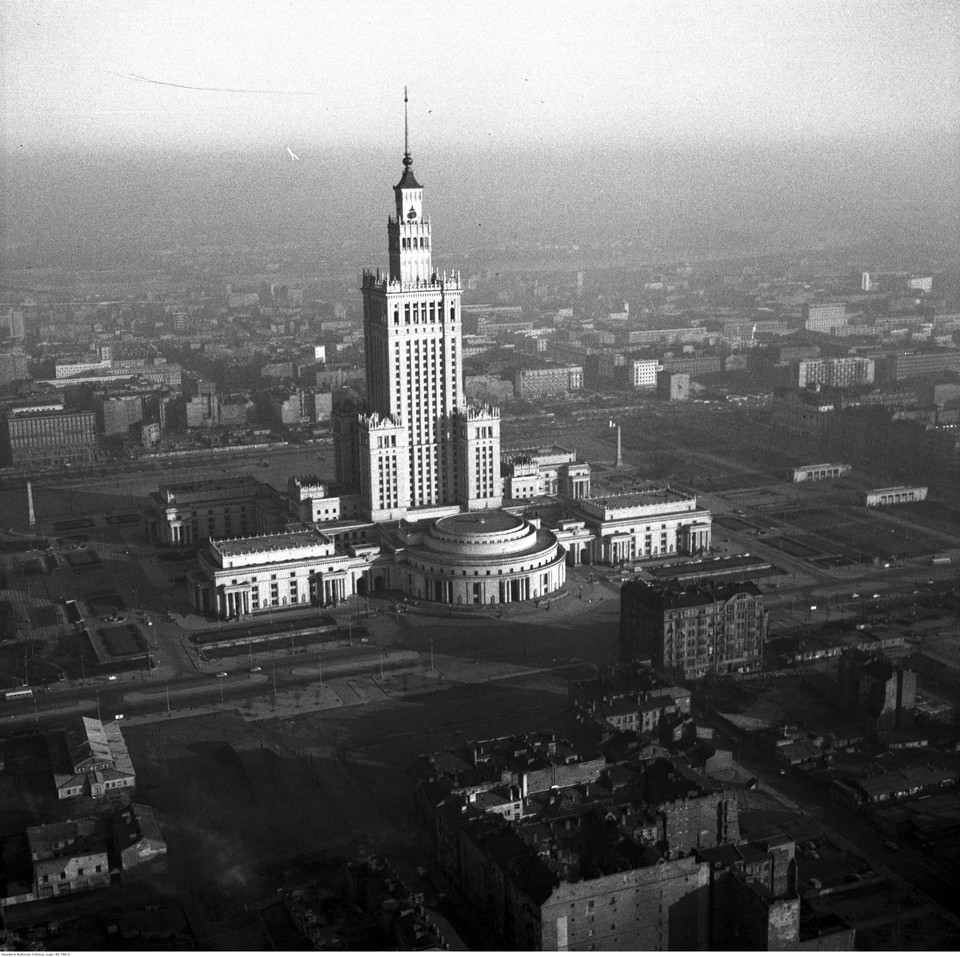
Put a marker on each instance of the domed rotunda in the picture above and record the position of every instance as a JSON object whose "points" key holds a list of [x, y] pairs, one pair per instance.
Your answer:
{"points": [[478, 558]]}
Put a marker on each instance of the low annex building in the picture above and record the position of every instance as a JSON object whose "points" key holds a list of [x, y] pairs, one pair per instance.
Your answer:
{"points": [[191, 512], [138, 843], [242, 576], [895, 495], [817, 473], [642, 524]]}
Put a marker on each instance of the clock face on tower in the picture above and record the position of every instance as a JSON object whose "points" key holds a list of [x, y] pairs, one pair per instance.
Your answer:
{"points": [[412, 214]]}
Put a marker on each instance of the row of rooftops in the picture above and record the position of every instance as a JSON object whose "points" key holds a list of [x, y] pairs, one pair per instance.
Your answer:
{"points": [[669, 594], [579, 832], [88, 835]]}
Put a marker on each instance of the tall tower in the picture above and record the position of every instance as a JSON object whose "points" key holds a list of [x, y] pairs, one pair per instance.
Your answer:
{"points": [[411, 321]]}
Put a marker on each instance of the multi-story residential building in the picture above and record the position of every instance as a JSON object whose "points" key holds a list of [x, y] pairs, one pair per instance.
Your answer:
{"points": [[557, 866], [881, 692], [839, 373], [50, 437], [643, 374], [908, 365], [299, 406], [664, 337], [14, 367], [201, 399], [692, 365], [674, 386], [11, 324], [547, 381], [824, 316], [117, 412], [802, 411], [693, 630]]}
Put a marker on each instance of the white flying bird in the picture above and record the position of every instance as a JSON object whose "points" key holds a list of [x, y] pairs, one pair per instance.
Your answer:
{"points": [[293, 155]]}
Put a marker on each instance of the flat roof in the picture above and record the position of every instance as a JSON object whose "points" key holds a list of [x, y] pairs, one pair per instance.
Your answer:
{"points": [[479, 523], [269, 543]]}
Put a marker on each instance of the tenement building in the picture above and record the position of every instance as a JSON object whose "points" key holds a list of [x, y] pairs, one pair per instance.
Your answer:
{"points": [[693, 630]]}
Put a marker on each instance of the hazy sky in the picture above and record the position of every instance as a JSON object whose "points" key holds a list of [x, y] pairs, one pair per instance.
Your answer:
{"points": [[488, 74]]}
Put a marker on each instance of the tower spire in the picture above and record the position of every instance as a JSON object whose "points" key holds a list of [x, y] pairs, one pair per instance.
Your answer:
{"points": [[407, 161]]}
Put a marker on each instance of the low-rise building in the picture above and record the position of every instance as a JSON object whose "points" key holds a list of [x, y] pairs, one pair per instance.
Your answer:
{"points": [[630, 526], [299, 566], [90, 759], [68, 857], [548, 470], [840, 373], [878, 690], [138, 843], [547, 381], [192, 512], [817, 473], [895, 495]]}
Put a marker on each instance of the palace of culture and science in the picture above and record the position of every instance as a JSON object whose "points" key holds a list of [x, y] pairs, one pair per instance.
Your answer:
{"points": [[417, 506], [419, 444]]}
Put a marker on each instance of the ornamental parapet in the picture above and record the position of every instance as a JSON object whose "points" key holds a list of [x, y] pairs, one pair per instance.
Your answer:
{"points": [[439, 282]]}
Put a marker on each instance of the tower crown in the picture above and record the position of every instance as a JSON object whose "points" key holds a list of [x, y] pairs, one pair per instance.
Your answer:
{"points": [[408, 192], [409, 232]]}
